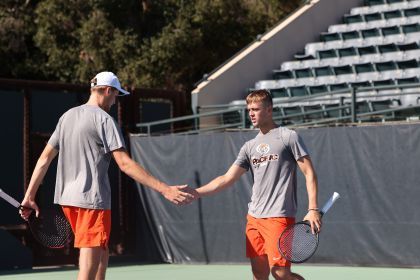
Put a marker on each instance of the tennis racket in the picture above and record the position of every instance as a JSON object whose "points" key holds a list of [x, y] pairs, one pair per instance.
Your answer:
{"points": [[297, 243], [51, 228]]}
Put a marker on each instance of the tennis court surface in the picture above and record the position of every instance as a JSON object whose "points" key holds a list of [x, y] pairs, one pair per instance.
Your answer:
{"points": [[220, 272]]}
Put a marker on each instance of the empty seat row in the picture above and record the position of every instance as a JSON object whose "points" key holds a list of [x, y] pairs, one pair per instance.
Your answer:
{"points": [[338, 70], [368, 50], [367, 110], [341, 74], [369, 9], [337, 79], [395, 34], [367, 58], [334, 57], [346, 27], [299, 113], [371, 32], [303, 90], [382, 2], [355, 18]]}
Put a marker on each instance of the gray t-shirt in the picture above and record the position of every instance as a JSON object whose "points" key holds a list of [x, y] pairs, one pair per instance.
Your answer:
{"points": [[272, 159], [85, 136]]}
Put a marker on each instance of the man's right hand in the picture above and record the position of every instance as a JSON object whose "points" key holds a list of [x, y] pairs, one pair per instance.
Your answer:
{"points": [[27, 207], [180, 195]]}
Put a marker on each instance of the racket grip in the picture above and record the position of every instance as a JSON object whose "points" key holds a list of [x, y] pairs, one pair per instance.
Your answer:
{"points": [[9, 199], [330, 202]]}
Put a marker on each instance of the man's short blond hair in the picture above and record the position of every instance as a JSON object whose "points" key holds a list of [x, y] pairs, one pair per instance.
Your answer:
{"points": [[260, 95]]}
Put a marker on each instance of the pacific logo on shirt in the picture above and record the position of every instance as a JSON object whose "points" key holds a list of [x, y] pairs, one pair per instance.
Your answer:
{"points": [[263, 149]]}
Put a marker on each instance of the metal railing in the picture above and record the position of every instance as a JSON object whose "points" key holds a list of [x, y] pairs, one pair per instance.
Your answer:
{"points": [[196, 119], [344, 103]]}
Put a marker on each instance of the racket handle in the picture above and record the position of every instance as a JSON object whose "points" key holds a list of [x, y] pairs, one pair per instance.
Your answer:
{"points": [[9, 199], [330, 203]]}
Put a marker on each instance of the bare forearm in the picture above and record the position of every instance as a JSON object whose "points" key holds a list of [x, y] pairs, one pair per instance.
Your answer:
{"points": [[305, 165], [176, 194], [312, 188], [222, 182], [214, 186], [37, 178], [140, 175]]}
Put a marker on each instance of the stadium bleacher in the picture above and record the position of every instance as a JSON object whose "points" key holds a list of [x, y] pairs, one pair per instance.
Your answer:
{"points": [[377, 47]]}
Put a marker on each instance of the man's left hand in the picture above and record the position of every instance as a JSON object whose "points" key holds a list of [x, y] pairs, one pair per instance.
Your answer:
{"points": [[314, 219]]}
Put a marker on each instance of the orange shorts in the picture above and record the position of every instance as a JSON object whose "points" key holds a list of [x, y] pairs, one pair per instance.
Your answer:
{"points": [[262, 236], [91, 227]]}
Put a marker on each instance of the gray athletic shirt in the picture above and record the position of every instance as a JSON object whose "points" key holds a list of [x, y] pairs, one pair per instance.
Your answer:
{"points": [[85, 136], [272, 159]]}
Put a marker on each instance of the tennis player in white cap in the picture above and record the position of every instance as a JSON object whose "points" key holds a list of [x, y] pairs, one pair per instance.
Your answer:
{"points": [[85, 139]]}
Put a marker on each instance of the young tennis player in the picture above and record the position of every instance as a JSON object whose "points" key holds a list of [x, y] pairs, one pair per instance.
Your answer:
{"points": [[85, 139], [273, 157]]}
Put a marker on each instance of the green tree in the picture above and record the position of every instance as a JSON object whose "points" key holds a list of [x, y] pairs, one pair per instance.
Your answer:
{"points": [[79, 40], [18, 56], [149, 43], [203, 35]]}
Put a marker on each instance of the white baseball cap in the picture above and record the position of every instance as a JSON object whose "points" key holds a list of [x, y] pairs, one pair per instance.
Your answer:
{"points": [[108, 79]]}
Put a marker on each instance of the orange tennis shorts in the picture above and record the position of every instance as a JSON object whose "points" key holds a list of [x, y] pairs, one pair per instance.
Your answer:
{"points": [[91, 227], [262, 236]]}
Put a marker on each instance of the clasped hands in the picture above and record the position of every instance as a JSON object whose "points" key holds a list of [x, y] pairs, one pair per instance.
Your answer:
{"points": [[180, 195]]}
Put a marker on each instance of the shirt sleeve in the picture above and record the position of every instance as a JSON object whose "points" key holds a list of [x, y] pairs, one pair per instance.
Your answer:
{"points": [[111, 136], [54, 140], [243, 160], [297, 146]]}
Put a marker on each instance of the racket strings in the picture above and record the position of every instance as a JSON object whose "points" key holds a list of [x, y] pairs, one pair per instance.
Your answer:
{"points": [[51, 229], [297, 243]]}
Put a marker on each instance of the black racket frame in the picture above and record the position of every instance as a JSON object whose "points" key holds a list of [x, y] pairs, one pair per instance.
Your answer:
{"points": [[306, 223]]}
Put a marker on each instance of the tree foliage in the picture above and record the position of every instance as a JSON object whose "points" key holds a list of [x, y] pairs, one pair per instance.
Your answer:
{"points": [[148, 43]]}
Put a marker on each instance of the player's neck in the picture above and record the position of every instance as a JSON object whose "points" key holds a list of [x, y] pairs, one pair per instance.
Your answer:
{"points": [[265, 128], [95, 100]]}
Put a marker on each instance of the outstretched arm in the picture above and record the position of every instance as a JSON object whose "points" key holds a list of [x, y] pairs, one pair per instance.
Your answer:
{"points": [[313, 215], [222, 182], [175, 194], [41, 167]]}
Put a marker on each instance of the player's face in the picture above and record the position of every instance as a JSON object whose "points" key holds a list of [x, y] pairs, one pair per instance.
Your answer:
{"points": [[259, 114], [112, 96]]}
